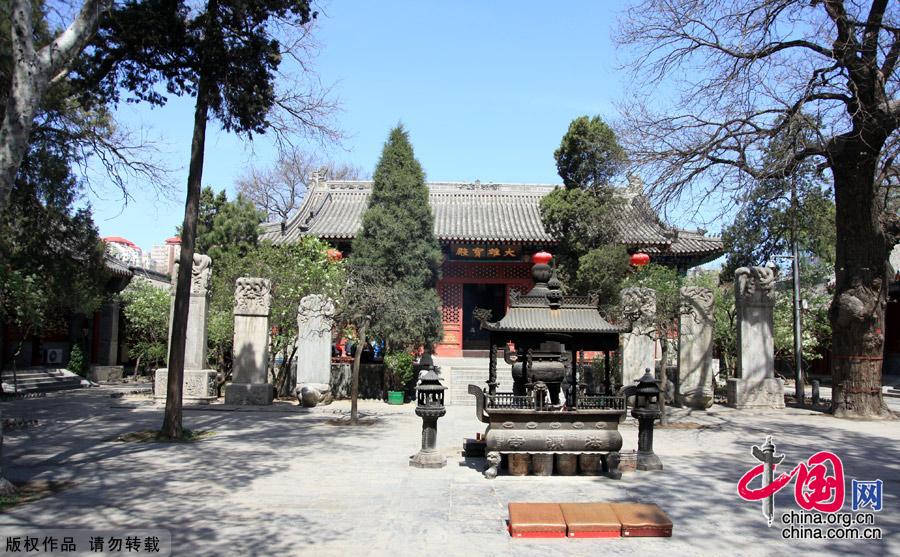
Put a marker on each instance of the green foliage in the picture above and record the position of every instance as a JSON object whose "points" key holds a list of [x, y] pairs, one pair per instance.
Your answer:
{"points": [[589, 154], [146, 311], [602, 270], [224, 225], [725, 319], [816, 328], [598, 368], [400, 368], [296, 270], [51, 258], [581, 216], [580, 219], [667, 283], [229, 42], [77, 363], [396, 258], [763, 228]]}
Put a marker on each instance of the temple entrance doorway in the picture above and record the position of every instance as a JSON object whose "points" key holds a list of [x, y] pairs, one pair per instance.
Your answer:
{"points": [[487, 296]]}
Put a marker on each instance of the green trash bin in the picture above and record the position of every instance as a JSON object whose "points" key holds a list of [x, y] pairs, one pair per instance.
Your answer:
{"points": [[395, 397]]}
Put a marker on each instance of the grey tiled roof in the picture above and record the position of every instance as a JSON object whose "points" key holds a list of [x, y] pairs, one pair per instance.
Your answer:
{"points": [[563, 320], [116, 267], [691, 242], [478, 212]]}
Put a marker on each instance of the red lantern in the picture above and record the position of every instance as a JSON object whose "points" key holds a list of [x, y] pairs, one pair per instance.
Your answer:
{"points": [[334, 255], [640, 259], [541, 258]]}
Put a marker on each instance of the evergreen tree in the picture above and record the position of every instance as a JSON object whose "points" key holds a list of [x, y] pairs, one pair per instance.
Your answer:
{"points": [[589, 155], [397, 244], [581, 214], [226, 227]]}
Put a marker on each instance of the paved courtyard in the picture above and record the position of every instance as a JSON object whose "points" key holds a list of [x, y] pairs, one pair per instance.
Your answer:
{"points": [[285, 481]]}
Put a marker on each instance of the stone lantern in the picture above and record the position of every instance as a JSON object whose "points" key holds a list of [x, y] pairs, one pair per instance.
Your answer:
{"points": [[646, 410], [429, 407]]}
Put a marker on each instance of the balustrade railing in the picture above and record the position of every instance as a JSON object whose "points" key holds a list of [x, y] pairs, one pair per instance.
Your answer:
{"points": [[507, 400]]}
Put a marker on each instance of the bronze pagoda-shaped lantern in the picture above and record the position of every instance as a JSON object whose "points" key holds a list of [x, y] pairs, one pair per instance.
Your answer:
{"points": [[429, 407]]}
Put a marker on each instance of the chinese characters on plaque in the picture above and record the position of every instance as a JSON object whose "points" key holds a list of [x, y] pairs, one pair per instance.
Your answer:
{"points": [[486, 251]]}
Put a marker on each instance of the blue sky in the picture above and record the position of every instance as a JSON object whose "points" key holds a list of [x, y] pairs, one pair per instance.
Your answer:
{"points": [[486, 90]]}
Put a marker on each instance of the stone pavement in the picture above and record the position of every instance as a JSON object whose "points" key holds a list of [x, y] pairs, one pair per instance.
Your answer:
{"points": [[284, 481]]}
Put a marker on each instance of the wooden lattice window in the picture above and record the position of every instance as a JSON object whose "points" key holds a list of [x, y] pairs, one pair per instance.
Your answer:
{"points": [[451, 303]]}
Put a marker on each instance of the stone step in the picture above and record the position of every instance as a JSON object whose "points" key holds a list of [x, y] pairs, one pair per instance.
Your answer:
{"points": [[40, 381], [462, 376], [9, 375]]}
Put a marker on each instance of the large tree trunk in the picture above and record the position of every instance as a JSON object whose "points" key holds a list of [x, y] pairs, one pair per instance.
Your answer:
{"points": [[32, 73], [354, 375], [172, 428], [857, 310]]}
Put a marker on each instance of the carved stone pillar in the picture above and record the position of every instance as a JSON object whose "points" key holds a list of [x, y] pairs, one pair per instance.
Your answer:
{"points": [[249, 385], [638, 346], [315, 318], [199, 382], [755, 385], [695, 344]]}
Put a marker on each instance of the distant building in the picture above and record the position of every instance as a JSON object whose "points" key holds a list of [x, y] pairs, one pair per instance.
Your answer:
{"points": [[488, 233], [164, 257]]}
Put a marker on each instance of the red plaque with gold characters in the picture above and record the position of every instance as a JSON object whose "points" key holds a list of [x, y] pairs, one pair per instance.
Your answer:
{"points": [[485, 252]]}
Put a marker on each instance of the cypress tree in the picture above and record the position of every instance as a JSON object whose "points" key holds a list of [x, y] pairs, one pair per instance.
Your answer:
{"points": [[397, 248]]}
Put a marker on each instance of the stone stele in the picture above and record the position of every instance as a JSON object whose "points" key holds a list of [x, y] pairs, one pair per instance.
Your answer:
{"points": [[199, 382], [252, 299], [638, 346], [314, 322], [755, 385], [695, 346]]}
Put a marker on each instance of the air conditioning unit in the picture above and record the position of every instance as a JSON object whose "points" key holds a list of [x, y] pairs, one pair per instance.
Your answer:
{"points": [[54, 356]]}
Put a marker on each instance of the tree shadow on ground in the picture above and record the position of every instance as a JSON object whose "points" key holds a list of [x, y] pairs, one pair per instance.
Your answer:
{"points": [[197, 489]]}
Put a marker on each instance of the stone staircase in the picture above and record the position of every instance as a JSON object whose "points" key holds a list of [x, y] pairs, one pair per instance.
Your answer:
{"points": [[458, 373], [39, 380]]}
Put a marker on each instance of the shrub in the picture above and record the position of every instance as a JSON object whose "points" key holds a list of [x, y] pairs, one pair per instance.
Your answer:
{"points": [[400, 368], [76, 361]]}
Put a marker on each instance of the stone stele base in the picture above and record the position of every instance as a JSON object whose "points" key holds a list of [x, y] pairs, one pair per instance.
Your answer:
{"points": [[105, 374], [253, 394], [199, 385], [698, 399], [428, 459], [769, 393]]}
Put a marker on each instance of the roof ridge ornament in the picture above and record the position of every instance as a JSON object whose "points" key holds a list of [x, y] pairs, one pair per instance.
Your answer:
{"points": [[635, 186], [319, 175]]}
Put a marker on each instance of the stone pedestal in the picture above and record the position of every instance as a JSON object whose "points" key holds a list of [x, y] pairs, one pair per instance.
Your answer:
{"points": [[639, 346], [314, 322], [755, 385], [199, 385], [105, 374], [251, 343], [768, 393], [199, 382], [695, 344]]}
